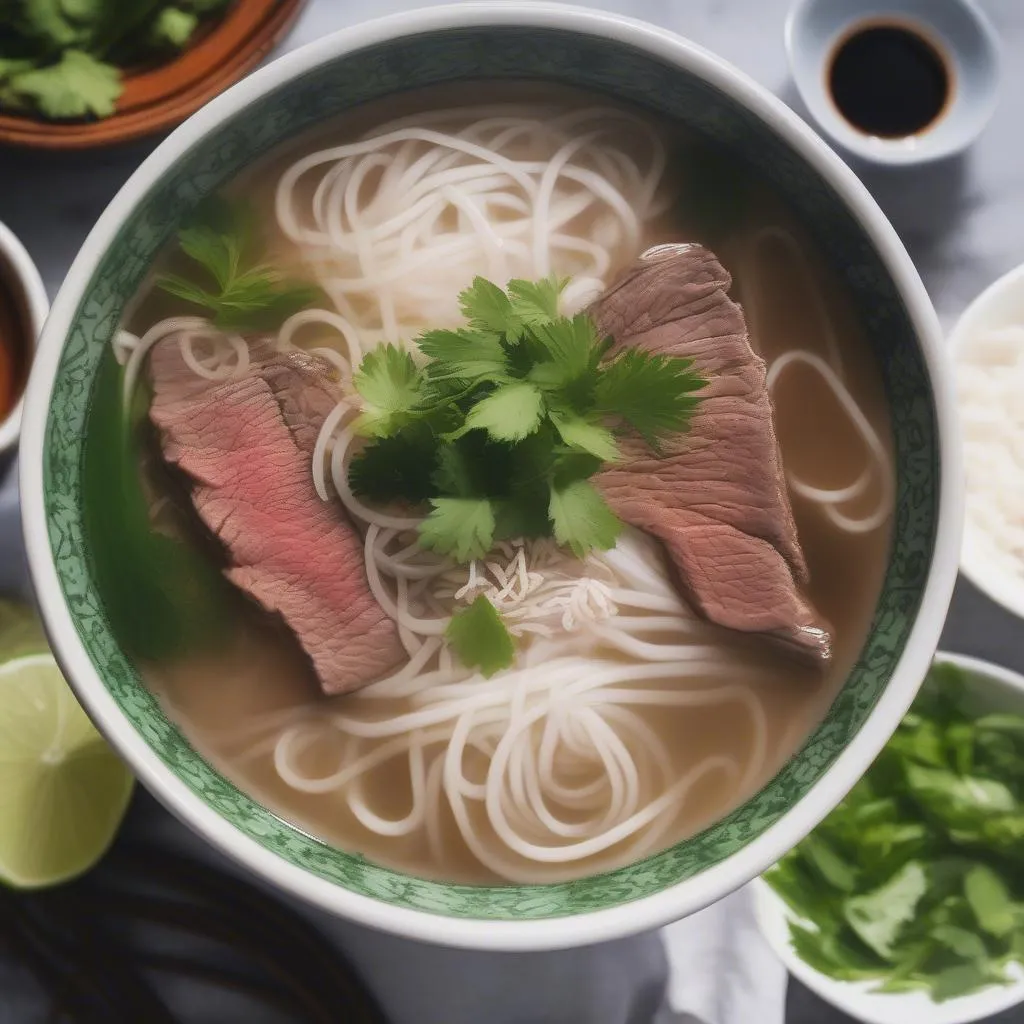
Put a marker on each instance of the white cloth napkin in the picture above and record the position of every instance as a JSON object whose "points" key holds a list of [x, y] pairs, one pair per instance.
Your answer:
{"points": [[721, 970]]}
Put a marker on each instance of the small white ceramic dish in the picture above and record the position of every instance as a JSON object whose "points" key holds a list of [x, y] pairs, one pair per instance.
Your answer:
{"points": [[1000, 305], [956, 28], [20, 275], [992, 689]]}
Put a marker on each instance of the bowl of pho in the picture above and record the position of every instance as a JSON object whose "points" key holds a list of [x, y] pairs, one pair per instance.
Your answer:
{"points": [[492, 473]]}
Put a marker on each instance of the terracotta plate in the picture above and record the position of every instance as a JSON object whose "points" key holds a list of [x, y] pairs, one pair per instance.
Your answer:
{"points": [[159, 98]]}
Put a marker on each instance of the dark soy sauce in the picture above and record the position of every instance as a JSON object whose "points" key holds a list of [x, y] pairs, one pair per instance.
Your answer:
{"points": [[888, 80]]}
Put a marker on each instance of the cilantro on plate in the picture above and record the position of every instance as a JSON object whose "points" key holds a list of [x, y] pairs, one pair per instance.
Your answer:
{"points": [[76, 86], [62, 59], [915, 880], [501, 427]]}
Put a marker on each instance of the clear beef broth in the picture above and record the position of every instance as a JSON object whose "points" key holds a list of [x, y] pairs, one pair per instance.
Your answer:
{"points": [[218, 699]]}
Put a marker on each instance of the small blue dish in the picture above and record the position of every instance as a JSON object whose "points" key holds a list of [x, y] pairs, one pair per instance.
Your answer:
{"points": [[958, 32]]}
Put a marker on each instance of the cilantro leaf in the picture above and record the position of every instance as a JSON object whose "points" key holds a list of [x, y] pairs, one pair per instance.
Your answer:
{"points": [[522, 515], [216, 251], [454, 473], [464, 354], [589, 437], [77, 86], [572, 346], [964, 978], [509, 413], [836, 871], [958, 800], [878, 916], [1004, 833], [51, 24], [85, 11], [11, 66], [398, 468], [1010, 725], [535, 303], [486, 307], [391, 385], [173, 28], [833, 954], [653, 393], [802, 890], [185, 289], [922, 742], [462, 527], [989, 900], [582, 519], [480, 639], [960, 941], [261, 300], [239, 297]]}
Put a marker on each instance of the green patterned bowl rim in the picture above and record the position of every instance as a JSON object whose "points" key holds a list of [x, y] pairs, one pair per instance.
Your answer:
{"points": [[541, 40]]}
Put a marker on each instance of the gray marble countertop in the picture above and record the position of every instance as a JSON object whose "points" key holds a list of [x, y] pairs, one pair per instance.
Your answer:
{"points": [[963, 223]]}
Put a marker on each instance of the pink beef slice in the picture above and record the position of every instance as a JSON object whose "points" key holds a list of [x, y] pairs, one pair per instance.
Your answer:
{"points": [[716, 497], [251, 485]]}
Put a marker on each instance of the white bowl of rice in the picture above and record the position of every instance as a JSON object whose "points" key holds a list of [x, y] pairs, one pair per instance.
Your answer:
{"points": [[987, 347]]}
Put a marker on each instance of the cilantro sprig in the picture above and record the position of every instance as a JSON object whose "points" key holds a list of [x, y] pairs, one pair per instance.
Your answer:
{"points": [[236, 291], [501, 428], [63, 60], [914, 881]]}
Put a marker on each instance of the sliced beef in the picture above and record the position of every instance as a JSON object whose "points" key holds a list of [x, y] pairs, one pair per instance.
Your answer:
{"points": [[245, 446], [716, 497], [300, 383]]}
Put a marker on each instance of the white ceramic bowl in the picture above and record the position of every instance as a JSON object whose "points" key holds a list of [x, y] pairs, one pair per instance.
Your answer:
{"points": [[958, 28], [20, 273], [999, 305], [992, 688], [636, 62]]}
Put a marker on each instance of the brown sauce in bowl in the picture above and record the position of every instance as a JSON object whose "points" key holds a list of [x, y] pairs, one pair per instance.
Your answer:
{"points": [[889, 80], [14, 342]]}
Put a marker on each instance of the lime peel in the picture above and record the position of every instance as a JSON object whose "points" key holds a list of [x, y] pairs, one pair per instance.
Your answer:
{"points": [[63, 791]]}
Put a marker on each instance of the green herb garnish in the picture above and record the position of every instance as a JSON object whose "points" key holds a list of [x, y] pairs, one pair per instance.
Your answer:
{"points": [[239, 293], [915, 880], [75, 86], [61, 59], [502, 427], [480, 637], [164, 599]]}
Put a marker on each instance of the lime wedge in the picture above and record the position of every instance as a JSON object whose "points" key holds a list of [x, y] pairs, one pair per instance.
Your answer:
{"points": [[20, 632], [63, 791]]}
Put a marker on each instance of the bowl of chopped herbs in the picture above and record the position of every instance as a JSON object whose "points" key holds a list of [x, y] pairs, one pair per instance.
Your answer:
{"points": [[907, 902], [75, 74]]}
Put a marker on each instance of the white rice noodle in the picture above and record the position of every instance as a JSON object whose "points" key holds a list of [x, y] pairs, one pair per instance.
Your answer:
{"points": [[190, 329], [395, 225], [879, 464], [878, 467], [571, 768]]}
